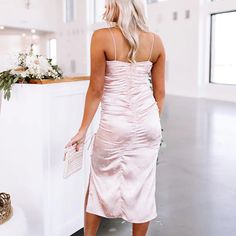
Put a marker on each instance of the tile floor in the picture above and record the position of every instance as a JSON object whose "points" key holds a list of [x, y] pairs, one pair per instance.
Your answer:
{"points": [[196, 174]]}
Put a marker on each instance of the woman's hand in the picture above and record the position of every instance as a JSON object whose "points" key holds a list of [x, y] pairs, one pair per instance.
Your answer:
{"points": [[77, 139]]}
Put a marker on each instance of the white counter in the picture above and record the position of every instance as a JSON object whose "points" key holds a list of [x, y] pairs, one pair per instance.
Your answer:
{"points": [[35, 125]]}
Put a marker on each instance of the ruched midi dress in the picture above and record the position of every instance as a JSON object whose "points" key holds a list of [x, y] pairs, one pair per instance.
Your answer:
{"points": [[122, 180]]}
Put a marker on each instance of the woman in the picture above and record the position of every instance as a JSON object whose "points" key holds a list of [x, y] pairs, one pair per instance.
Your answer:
{"points": [[123, 161]]}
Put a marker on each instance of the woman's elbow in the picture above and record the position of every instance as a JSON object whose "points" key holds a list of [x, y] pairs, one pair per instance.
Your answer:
{"points": [[163, 94], [96, 92], [160, 94]]}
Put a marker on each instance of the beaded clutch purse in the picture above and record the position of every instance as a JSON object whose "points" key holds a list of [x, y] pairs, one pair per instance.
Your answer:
{"points": [[5, 207], [73, 160]]}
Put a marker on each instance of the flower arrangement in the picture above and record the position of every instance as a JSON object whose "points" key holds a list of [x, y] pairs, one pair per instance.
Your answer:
{"points": [[30, 66]]}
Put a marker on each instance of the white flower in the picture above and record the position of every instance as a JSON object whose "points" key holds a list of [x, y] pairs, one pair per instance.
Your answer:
{"points": [[38, 66], [24, 74], [34, 66], [30, 61], [19, 71], [44, 64]]}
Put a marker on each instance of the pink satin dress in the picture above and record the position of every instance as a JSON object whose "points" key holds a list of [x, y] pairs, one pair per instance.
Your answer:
{"points": [[122, 181]]}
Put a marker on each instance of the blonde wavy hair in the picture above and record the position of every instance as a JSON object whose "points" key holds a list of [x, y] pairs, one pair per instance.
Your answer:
{"points": [[129, 16]]}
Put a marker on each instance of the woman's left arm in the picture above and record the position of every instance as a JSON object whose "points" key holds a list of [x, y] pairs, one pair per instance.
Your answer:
{"points": [[95, 89]]}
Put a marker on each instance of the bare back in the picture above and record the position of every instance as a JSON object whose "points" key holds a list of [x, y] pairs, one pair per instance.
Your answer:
{"points": [[111, 45], [117, 47]]}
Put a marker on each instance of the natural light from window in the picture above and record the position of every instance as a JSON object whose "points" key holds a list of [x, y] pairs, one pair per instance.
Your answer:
{"points": [[223, 50], [69, 10], [99, 8], [52, 50]]}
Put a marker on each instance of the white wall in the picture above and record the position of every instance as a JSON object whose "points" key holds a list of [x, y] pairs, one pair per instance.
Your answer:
{"points": [[17, 19], [206, 89], [12, 43], [187, 45], [180, 38], [73, 39], [9, 46], [41, 15]]}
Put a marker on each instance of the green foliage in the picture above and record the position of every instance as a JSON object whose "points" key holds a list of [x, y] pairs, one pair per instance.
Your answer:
{"points": [[150, 81], [6, 81], [7, 78]]}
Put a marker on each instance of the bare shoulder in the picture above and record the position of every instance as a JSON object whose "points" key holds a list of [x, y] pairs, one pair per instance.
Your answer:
{"points": [[159, 47], [159, 42], [100, 34]]}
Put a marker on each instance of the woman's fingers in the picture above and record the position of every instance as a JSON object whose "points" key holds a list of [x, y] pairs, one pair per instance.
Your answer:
{"points": [[77, 147], [72, 142], [68, 144], [76, 139]]}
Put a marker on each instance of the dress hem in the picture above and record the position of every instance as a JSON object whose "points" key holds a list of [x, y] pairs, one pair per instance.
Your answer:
{"points": [[122, 217]]}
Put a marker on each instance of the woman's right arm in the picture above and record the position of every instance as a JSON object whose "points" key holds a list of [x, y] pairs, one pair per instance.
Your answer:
{"points": [[158, 74], [95, 89], [96, 84]]}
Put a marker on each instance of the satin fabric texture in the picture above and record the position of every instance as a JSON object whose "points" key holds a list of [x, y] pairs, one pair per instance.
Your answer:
{"points": [[122, 180]]}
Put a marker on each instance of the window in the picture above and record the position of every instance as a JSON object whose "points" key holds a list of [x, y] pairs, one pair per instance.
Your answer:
{"points": [[69, 14], [223, 48], [99, 9], [52, 50]]}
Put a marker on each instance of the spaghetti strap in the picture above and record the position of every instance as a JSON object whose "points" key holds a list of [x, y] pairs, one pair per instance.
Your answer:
{"points": [[114, 42], [151, 47]]}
